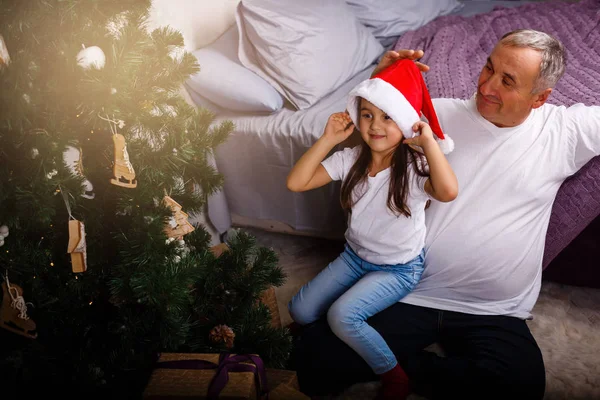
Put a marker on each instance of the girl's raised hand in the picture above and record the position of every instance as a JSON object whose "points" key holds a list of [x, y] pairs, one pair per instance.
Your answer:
{"points": [[339, 127], [425, 137]]}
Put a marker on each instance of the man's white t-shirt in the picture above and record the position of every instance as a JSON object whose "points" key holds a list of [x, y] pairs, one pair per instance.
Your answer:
{"points": [[374, 232], [483, 251]]}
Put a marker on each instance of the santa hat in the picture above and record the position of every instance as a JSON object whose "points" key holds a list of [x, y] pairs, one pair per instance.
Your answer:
{"points": [[400, 92]]}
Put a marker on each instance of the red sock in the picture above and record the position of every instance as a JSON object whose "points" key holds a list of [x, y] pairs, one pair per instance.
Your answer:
{"points": [[394, 384]]}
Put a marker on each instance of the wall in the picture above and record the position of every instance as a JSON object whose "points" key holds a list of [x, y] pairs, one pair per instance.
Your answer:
{"points": [[199, 21]]}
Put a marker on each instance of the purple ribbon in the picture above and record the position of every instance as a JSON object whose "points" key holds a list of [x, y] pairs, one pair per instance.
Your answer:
{"points": [[227, 363]]}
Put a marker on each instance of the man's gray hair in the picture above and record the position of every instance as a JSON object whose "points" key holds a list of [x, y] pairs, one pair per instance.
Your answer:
{"points": [[554, 57]]}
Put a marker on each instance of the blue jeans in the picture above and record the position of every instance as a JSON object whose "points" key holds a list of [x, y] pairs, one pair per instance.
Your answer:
{"points": [[350, 290]]}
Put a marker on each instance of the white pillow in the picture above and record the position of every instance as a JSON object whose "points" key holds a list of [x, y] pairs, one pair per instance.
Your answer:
{"points": [[194, 99], [388, 18], [304, 49], [200, 22], [226, 82]]}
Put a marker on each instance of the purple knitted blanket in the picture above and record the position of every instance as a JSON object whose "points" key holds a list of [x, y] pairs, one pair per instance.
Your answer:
{"points": [[456, 49]]}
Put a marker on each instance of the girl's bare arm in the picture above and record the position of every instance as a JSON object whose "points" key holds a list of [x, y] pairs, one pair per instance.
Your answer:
{"points": [[308, 173]]}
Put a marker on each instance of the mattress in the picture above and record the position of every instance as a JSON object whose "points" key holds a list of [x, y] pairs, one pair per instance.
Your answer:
{"points": [[260, 152]]}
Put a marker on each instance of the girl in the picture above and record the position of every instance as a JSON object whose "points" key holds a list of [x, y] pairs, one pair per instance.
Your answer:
{"points": [[384, 192]]}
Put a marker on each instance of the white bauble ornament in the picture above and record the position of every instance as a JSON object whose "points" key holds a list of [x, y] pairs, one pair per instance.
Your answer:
{"points": [[1, 242], [91, 57], [51, 174], [3, 231]]}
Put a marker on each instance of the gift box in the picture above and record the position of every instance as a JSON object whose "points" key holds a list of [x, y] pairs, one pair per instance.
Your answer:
{"points": [[207, 376]]}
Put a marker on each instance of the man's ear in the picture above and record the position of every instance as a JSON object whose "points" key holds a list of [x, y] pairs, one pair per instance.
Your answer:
{"points": [[541, 98]]}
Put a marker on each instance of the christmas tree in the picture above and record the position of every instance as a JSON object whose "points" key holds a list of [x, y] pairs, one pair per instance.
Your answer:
{"points": [[102, 166]]}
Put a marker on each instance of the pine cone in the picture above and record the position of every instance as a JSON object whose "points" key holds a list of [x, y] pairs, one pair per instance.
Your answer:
{"points": [[222, 333]]}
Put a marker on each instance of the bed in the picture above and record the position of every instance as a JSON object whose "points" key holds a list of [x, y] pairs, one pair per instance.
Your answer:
{"points": [[263, 147]]}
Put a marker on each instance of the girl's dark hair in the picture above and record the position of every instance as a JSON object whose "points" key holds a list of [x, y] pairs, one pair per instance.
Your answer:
{"points": [[402, 157]]}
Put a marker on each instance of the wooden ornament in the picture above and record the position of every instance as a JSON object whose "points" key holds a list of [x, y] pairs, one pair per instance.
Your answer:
{"points": [[179, 224], [13, 316], [77, 246], [4, 57], [73, 158], [124, 174]]}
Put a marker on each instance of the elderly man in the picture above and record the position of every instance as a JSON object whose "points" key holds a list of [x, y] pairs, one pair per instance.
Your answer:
{"points": [[483, 261]]}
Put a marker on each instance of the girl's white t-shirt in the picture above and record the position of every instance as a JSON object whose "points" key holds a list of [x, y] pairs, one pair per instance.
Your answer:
{"points": [[484, 250], [374, 232]]}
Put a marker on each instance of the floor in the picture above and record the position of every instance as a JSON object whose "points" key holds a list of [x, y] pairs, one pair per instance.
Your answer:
{"points": [[566, 320]]}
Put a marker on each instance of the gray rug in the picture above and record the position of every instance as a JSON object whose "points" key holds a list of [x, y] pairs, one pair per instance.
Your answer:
{"points": [[566, 321]]}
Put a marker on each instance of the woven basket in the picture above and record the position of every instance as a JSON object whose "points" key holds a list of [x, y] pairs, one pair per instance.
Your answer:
{"points": [[269, 299]]}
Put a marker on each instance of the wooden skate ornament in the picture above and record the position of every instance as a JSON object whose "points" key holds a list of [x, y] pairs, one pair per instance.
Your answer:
{"points": [[77, 246], [13, 316], [179, 224], [4, 56], [74, 159], [124, 174]]}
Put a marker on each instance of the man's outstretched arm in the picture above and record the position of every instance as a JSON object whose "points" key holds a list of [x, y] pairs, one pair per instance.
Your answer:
{"points": [[392, 56]]}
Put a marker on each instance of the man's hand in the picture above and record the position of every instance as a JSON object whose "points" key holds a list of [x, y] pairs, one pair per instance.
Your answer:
{"points": [[392, 56], [339, 127]]}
